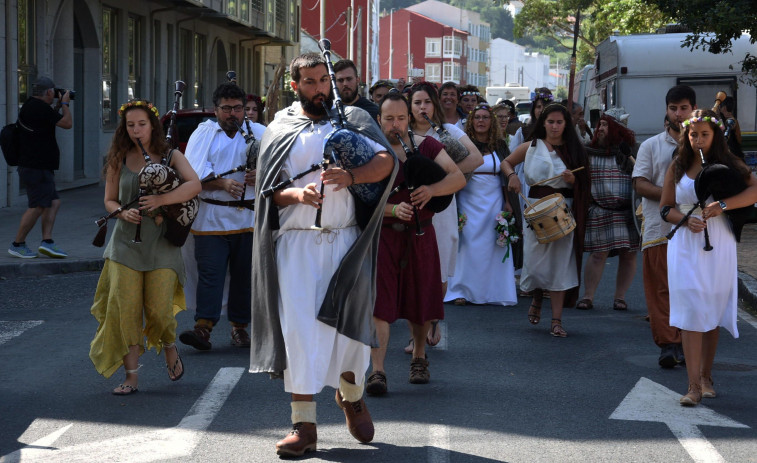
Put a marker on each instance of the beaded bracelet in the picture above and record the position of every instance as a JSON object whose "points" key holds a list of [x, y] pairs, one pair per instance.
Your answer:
{"points": [[351, 175]]}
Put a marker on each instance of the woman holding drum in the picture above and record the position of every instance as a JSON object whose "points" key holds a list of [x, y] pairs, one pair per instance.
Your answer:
{"points": [[484, 273], [554, 165], [139, 279]]}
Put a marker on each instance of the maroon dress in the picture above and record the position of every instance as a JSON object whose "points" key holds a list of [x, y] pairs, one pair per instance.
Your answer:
{"points": [[408, 283]]}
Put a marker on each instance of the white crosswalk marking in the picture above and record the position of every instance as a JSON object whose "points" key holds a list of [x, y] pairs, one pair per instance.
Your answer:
{"points": [[11, 329]]}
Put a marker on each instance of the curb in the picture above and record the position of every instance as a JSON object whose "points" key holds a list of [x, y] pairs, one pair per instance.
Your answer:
{"points": [[23, 269], [748, 290]]}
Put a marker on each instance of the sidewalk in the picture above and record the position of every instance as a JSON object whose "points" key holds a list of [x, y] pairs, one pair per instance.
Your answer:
{"points": [[80, 208]]}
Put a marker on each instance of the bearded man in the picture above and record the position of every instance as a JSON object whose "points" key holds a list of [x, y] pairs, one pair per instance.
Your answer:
{"points": [[610, 229], [348, 85], [313, 289]]}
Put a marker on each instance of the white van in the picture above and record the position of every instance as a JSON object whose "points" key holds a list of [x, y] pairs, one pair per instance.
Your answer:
{"points": [[636, 71], [512, 92]]}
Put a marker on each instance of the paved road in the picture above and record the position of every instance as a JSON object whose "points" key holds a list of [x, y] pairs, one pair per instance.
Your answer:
{"points": [[501, 390]]}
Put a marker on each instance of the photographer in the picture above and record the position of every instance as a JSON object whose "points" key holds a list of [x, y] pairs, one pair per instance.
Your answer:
{"points": [[39, 157]]}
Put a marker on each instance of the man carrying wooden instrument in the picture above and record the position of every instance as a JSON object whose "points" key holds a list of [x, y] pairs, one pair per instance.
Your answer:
{"points": [[223, 228], [313, 288]]}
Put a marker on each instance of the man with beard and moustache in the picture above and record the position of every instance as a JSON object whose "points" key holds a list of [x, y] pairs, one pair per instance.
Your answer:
{"points": [[409, 270], [313, 289], [222, 231], [449, 98], [610, 228], [654, 157], [348, 86]]}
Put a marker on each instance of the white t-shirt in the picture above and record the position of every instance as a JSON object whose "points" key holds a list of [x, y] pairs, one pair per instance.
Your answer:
{"points": [[652, 161]]}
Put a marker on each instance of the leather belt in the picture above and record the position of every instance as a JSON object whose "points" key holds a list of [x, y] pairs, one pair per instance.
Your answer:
{"points": [[401, 227], [485, 173], [241, 204], [540, 191]]}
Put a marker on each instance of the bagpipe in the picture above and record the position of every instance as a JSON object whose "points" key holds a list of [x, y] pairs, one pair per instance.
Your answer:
{"points": [[456, 151], [341, 146], [155, 179]]}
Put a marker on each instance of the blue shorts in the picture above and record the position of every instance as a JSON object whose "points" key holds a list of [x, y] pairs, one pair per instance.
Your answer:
{"points": [[40, 186]]}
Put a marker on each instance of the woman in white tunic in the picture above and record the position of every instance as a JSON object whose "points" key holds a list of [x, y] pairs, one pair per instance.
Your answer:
{"points": [[425, 100], [483, 274], [554, 266], [703, 284]]}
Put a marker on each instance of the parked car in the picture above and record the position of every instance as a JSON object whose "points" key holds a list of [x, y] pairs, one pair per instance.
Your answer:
{"points": [[187, 121]]}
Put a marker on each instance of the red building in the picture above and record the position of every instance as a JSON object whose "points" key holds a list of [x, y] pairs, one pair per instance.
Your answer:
{"points": [[336, 24], [413, 46]]}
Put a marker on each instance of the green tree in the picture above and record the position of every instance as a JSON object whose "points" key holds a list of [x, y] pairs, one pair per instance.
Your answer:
{"points": [[715, 24], [599, 18]]}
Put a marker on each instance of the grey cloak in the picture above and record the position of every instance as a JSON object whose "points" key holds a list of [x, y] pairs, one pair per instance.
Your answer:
{"points": [[348, 304]]}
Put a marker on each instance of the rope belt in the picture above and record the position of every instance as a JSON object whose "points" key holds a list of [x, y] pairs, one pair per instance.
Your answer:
{"points": [[685, 208], [245, 204]]}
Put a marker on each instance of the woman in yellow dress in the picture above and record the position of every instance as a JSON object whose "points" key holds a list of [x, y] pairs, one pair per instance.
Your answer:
{"points": [[139, 280]]}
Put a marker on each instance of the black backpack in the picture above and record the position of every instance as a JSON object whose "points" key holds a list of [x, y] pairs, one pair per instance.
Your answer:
{"points": [[9, 142]]}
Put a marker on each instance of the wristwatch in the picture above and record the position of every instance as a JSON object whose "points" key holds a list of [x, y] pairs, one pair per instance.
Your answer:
{"points": [[723, 205]]}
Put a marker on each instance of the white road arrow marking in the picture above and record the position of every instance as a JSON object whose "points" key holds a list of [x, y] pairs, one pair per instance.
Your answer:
{"points": [[159, 445], [649, 401], [9, 329]]}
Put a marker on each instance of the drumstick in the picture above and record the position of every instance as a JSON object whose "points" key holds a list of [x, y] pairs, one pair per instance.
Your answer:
{"points": [[555, 177]]}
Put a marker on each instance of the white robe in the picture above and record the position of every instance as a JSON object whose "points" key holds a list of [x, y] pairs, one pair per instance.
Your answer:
{"points": [[306, 260], [481, 276], [549, 266], [703, 284]]}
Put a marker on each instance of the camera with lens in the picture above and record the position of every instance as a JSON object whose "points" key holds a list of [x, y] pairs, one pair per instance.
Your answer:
{"points": [[59, 92]]}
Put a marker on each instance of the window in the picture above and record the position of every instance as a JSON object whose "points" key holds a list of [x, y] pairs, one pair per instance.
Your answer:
{"points": [[433, 48], [451, 72], [27, 52], [433, 72], [135, 56], [109, 70], [232, 8], [453, 47]]}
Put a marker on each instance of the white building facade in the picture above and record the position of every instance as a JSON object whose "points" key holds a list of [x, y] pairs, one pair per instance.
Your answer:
{"points": [[510, 63]]}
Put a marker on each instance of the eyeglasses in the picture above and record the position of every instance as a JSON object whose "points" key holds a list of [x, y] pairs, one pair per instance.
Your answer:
{"points": [[481, 118], [228, 109]]}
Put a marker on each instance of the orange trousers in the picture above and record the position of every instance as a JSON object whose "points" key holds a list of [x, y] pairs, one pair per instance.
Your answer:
{"points": [[655, 272]]}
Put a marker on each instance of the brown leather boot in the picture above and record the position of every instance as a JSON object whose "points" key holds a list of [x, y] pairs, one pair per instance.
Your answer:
{"points": [[358, 418], [302, 438], [693, 397]]}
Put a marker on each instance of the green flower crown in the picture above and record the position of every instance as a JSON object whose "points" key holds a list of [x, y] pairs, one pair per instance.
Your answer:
{"points": [[136, 104], [715, 121]]}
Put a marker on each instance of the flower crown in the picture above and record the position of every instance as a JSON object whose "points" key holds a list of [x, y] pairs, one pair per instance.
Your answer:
{"points": [[136, 104], [543, 96], [715, 121], [470, 92]]}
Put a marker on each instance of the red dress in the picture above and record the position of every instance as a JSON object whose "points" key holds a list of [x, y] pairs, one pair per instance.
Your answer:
{"points": [[408, 283]]}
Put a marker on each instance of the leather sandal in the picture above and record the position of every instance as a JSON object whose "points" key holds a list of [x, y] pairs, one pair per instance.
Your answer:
{"points": [[434, 334], [557, 330], [172, 369], [126, 389], [619, 304], [585, 304], [410, 346], [534, 314]]}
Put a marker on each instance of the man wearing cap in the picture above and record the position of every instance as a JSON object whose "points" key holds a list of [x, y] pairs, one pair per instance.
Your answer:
{"points": [[379, 90], [348, 86], [39, 157]]}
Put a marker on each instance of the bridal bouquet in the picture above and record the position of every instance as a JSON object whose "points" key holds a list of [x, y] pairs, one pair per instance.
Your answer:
{"points": [[506, 231]]}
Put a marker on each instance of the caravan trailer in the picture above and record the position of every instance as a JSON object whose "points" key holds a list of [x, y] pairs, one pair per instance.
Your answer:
{"points": [[636, 71]]}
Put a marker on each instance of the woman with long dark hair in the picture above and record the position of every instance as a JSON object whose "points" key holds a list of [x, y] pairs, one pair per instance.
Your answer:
{"points": [[703, 285], [484, 273], [139, 280], [555, 266]]}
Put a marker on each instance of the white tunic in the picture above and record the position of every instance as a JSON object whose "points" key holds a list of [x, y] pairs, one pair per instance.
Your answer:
{"points": [[306, 260], [703, 284], [549, 266], [445, 222], [481, 276]]}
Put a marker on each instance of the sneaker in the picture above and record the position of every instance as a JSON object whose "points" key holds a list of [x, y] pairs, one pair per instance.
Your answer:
{"points": [[51, 250], [21, 251], [667, 356]]}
